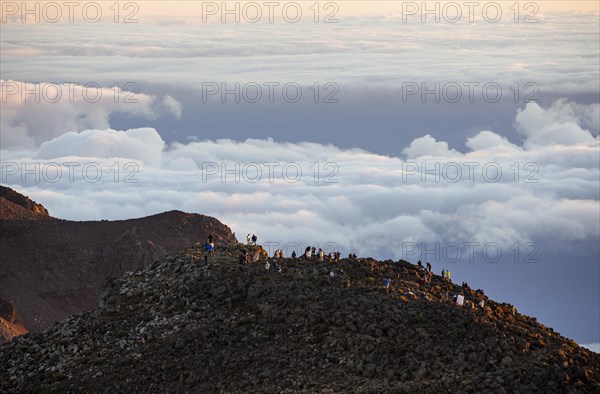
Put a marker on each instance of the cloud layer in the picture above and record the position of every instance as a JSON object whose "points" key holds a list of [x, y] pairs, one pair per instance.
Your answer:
{"points": [[496, 191], [36, 112]]}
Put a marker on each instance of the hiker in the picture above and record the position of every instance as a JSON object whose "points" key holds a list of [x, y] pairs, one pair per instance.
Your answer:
{"points": [[443, 274], [267, 265], [248, 239], [341, 275], [426, 278], [419, 264], [321, 254], [354, 256], [428, 267], [294, 254], [247, 255], [331, 276], [210, 238], [481, 304], [254, 239], [448, 275], [243, 259]]}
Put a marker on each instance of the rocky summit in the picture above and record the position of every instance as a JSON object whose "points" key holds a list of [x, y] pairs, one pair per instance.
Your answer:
{"points": [[186, 324]]}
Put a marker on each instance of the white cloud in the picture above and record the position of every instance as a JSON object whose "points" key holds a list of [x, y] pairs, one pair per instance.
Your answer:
{"points": [[374, 203], [553, 126], [488, 140], [428, 146], [34, 113], [363, 50], [173, 106], [144, 145]]}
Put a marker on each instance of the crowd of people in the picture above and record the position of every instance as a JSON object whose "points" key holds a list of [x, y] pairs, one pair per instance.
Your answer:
{"points": [[423, 273]]}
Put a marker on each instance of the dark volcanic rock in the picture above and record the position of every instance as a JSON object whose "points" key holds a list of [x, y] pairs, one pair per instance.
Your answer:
{"points": [[21, 201], [183, 326], [51, 269]]}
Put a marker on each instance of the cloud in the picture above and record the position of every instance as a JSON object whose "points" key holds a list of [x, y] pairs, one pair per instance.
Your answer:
{"points": [[488, 140], [36, 112], [428, 146], [144, 145], [173, 106], [554, 126], [495, 191], [371, 51]]}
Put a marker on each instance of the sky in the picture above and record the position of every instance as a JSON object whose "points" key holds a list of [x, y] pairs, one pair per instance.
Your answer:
{"points": [[466, 137]]}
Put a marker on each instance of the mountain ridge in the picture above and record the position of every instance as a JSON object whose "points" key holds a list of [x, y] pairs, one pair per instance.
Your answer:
{"points": [[186, 324], [53, 268]]}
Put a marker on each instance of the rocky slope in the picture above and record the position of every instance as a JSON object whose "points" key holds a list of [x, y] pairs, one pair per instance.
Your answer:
{"points": [[183, 326], [52, 268], [15, 206], [10, 323], [22, 201]]}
